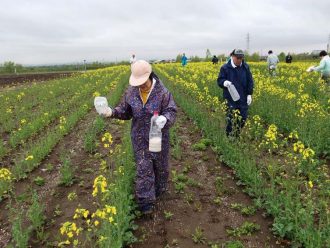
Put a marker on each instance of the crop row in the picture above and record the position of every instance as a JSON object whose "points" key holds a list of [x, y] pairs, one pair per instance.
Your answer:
{"points": [[279, 171]]}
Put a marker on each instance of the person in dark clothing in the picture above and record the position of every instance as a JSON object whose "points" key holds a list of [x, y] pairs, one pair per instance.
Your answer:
{"points": [[215, 60], [288, 58], [236, 73]]}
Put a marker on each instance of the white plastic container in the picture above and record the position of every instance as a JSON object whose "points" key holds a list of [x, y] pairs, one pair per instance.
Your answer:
{"points": [[155, 135], [310, 68], [101, 104], [233, 92]]}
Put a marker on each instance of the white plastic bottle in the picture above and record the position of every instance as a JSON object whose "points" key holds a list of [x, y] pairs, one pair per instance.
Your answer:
{"points": [[233, 92], [155, 135], [101, 104]]}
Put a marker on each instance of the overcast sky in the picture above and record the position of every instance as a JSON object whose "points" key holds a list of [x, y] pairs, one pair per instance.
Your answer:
{"points": [[65, 31]]}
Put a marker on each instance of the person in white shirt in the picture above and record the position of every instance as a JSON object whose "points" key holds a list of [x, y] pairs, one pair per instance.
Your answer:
{"points": [[132, 59], [272, 61], [324, 67]]}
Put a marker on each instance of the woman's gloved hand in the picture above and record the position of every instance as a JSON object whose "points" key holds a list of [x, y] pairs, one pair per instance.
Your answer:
{"points": [[107, 112], [161, 121]]}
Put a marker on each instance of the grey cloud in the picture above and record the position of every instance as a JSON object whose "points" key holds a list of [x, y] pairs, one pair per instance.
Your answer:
{"points": [[37, 31]]}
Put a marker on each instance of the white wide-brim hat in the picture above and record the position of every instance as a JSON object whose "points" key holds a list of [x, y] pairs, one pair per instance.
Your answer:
{"points": [[141, 71]]}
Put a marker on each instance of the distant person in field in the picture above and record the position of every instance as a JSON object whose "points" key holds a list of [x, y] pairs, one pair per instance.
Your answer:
{"points": [[324, 67], [184, 60], [236, 73], [215, 60], [288, 58], [272, 61], [145, 95], [132, 59], [229, 57]]}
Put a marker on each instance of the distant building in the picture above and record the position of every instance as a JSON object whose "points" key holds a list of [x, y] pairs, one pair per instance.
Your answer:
{"points": [[263, 58], [316, 53]]}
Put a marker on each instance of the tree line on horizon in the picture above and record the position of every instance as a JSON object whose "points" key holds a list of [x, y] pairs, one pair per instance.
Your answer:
{"points": [[10, 67], [254, 57]]}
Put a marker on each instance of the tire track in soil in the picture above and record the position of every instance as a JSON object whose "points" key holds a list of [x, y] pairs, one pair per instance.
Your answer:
{"points": [[51, 194], [213, 219]]}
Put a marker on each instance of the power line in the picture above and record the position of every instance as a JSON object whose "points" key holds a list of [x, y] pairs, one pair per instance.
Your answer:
{"points": [[247, 42]]}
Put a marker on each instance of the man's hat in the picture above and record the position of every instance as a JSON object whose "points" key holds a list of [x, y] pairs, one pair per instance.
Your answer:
{"points": [[238, 53]]}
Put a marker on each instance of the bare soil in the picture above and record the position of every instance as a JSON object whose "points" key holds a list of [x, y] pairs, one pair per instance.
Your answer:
{"points": [[195, 208], [58, 209], [23, 79]]}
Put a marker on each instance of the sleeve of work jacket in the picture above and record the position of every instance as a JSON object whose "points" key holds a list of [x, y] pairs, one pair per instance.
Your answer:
{"points": [[123, 111], [222, 77], [321, 66], [168, 109]]}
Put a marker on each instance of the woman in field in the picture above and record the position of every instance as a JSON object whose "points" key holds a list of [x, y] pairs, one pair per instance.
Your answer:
{"points": [[324, 67], [145, 95]]}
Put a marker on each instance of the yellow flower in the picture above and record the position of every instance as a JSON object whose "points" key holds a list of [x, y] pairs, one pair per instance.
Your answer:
{"points": [[71, 196], [102, 238], [30, 157], [62, 120], [298, 147], [95, 94], [310, 184], [96, 223], [107, 137], [99, 183], [86, 214], [308, 152], [5, 174], [80, 212], [74, 226], [256, 118], [294, 134], [66, 242]]}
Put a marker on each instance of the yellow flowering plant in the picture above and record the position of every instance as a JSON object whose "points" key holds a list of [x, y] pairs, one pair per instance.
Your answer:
{"points": [[5, 181], [100, 185]]}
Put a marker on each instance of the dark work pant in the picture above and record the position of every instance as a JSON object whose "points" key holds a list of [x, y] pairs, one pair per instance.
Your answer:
{"points": [[236, 118], [152, 174]]}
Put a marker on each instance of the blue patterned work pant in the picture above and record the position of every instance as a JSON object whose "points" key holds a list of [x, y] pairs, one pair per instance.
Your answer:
{"points": [[151, 175]]}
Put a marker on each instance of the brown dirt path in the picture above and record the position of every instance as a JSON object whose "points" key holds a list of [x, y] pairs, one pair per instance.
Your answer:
{"points": [[58, 208], [200, 209], [24, 79]]}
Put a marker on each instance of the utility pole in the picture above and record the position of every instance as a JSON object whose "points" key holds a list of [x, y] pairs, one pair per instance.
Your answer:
{"points": [[328, 45], [248, 42], [85, 64]]}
